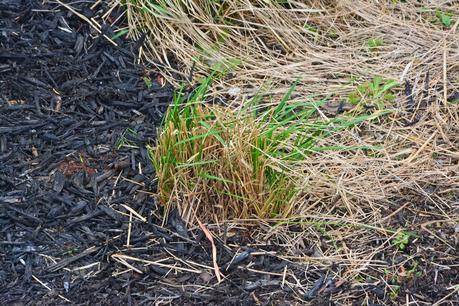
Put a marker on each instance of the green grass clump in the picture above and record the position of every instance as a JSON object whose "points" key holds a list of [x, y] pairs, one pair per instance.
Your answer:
{"points": [[218, 163]]}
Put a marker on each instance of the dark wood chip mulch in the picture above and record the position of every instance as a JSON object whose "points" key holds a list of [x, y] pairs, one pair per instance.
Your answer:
{"points": [[75, 117]]}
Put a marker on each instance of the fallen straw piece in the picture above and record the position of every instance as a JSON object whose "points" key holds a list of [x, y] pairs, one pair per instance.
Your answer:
{"points": [[218, 274]]}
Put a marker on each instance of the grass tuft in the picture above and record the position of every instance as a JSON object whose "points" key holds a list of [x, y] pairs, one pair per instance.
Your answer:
{"points": [[220, 164]]}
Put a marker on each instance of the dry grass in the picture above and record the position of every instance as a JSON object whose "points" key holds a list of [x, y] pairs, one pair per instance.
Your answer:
{"points": [[331, 47], [349, 198], [325, 44]]}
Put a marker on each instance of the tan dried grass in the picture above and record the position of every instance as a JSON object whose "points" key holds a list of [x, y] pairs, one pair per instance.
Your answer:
{"points": [[324, 44], [349, 197]]}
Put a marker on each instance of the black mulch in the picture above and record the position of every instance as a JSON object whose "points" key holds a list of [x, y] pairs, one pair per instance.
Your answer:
{"points": [[75, 116], [76, 182]]}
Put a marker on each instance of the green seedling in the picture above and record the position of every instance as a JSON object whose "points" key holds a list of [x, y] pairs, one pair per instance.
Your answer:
{"points": [[147, 82], [394, 291], [376, 93], [446, 19], [413, 270], [374, 43], [82, 161], [311, 29], [124, 142], [402, 239], [359, 278], [119, 34], [333, 34]]}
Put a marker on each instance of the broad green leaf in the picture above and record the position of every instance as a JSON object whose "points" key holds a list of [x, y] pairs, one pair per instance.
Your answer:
{"points": [[446, 20]]}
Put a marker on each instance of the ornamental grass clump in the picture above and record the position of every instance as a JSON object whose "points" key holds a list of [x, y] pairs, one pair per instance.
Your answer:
{"points": [[217, 163]]}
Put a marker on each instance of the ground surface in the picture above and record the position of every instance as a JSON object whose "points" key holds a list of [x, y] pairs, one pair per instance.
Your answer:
{"points": [[78, 223]]}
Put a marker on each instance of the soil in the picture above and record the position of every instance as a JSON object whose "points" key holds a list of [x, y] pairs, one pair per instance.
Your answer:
{"points": [[78, 219]]}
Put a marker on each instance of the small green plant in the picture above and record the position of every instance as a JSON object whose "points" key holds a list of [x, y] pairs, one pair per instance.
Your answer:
{"points": [[311, 29], [373, 94], [82, 161], [147, 82], [119, 34], [394, 291], [402, 239], [413, 270], [374, 43], [333, 34], [446, 19], [393, 283], [124, 141], [359, 278]]}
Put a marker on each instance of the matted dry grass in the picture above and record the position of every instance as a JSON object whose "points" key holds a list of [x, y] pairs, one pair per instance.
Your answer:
{"points": [[327, 46], [322, 43], [351, 199]]}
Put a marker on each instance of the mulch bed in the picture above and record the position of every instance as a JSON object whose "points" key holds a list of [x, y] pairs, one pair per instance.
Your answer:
{"points": [[75, 118], [78, 220]]}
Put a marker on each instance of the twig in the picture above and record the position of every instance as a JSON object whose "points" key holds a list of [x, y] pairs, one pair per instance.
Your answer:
{"points": [[445, 86], [132, 211], [455, 290]]}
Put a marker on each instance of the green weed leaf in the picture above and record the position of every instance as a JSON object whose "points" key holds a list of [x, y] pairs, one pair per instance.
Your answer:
{"points": [[374, 43]]}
